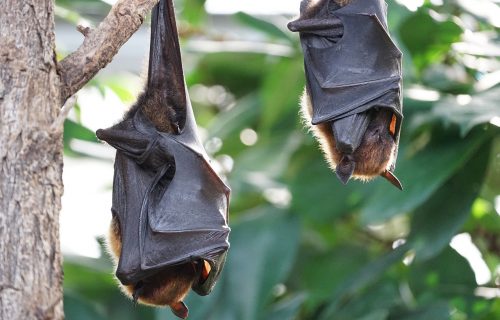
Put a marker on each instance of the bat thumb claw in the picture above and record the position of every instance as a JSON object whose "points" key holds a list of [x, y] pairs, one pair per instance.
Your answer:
{"points": [[180, 309], [292, 26]]}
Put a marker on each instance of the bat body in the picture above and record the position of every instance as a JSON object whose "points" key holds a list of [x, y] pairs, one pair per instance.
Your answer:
{"points": [[352, 99], [169, 231]]}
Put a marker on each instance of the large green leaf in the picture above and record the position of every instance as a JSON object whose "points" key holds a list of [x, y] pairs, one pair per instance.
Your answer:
{"points": [[266, 27], [322, 272], [193, 11], [440, 310], [442, 276], [427, 38], [436, 221], [352, 285], [421, 176]]}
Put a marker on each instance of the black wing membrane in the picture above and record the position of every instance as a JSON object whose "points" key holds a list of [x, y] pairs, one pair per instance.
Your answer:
{"points": [[171, 204]]}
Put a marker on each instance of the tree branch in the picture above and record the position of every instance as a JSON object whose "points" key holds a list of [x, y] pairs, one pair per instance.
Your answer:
{"points": [[102, 44]]}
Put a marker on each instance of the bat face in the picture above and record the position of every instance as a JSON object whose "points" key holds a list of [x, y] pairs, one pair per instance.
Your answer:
{"points": [[371, 158], [352, 99]]}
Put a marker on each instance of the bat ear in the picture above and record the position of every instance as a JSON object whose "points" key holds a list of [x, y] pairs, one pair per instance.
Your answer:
{"points": [[345, 169], [180, 309], [389, 176]]}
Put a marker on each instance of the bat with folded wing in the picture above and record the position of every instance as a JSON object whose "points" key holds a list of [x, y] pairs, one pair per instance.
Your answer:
{"points": [[353, 74], [169, 231]]}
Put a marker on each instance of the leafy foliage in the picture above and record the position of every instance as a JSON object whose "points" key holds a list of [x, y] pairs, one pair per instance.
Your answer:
{"points": [[302, 245]]}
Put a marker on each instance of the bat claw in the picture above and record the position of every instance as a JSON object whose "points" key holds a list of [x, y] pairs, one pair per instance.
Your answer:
{"points": [[180, 309], [389, 176]]}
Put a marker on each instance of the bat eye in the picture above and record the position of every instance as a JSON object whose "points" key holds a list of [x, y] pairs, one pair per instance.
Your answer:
{"points": [[392, 125]]}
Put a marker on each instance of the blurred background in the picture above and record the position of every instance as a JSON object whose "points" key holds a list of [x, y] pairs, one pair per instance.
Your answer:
{"points": [[302, 245]]}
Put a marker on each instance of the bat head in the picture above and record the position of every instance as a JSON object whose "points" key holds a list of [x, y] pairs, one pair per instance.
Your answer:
{"points": [[361, 146]]}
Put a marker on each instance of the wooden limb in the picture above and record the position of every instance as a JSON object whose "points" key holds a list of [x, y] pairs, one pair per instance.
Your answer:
{"points": [[101, 44]]}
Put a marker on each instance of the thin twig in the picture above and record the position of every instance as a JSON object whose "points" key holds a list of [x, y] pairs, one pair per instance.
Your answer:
{"points": [[101, 44]]}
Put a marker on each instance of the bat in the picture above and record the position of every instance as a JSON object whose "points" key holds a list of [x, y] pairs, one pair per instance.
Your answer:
{"points": [[352, 100], [169, 229]]}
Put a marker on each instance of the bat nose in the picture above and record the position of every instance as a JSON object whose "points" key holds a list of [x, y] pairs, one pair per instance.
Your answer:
{"points": [[349, 131]]}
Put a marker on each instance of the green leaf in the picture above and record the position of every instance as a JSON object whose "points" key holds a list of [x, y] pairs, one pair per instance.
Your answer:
{"points": [[481, 109], [269, 158], [231, 122], [240, 72], [428, 39], [281, 92], [358, 280], [194, 11], [335, 265], [439, 310], [318, 196], [443, 276], [73, 130], [266, 27], [421, 176], [436, 221]]}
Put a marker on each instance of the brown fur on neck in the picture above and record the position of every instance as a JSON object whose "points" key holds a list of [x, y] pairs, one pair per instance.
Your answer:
{"points": [[158, 112], [169, 286], [372, 157]]}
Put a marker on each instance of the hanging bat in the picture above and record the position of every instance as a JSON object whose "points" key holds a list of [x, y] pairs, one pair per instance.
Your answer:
{"points": [[352, 98], [169, 231]]}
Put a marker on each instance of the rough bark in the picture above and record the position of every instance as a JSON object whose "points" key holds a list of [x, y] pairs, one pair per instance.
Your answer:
{"points": [[32, 88], [102, 44], [30, 163]]}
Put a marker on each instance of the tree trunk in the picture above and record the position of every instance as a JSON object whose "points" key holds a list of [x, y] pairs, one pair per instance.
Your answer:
{"points": [[30, 163]]}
